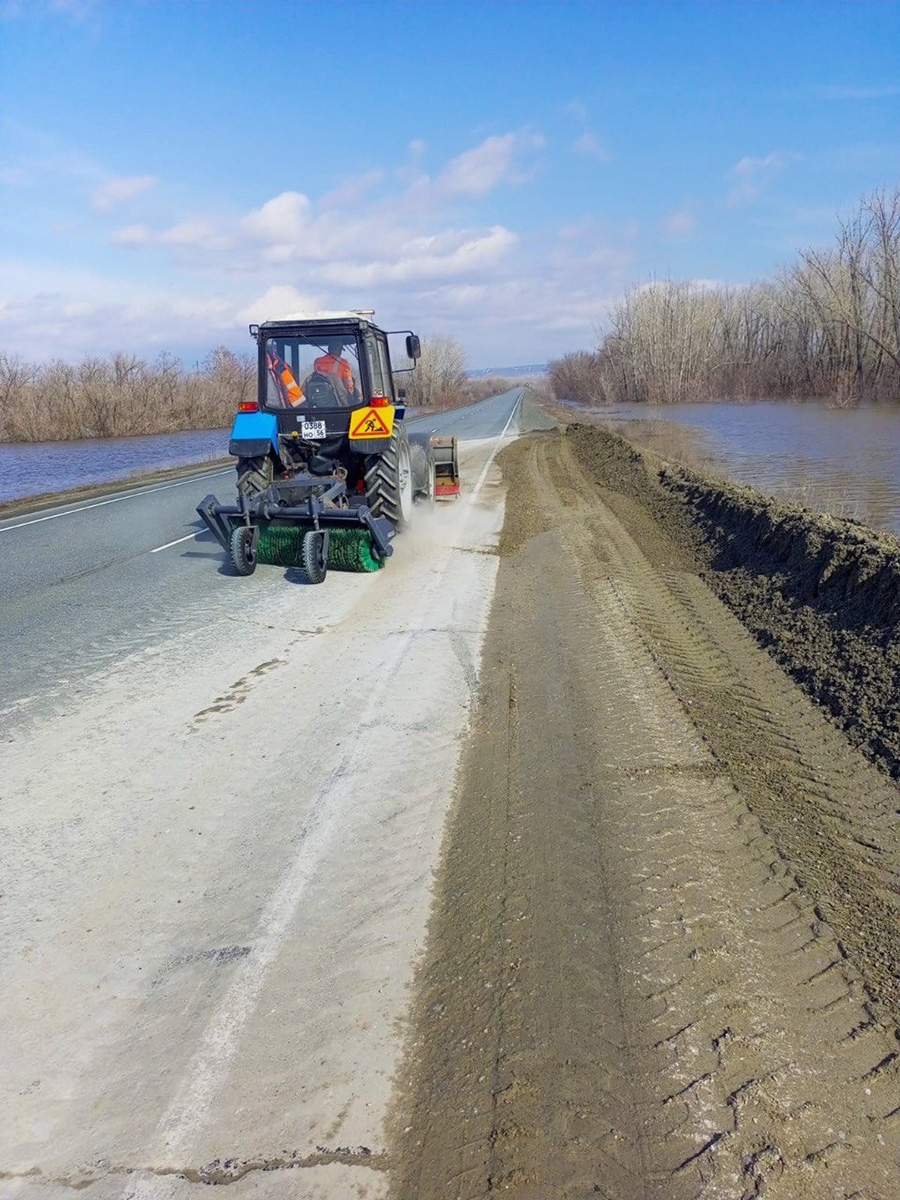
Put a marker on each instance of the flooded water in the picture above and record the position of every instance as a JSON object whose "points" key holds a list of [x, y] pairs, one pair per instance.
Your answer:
{"points": [[842, 461], [27, 470]]}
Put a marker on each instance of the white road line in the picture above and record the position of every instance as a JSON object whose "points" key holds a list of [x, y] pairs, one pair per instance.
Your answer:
{"points": [[115, 500], [487, 466], [218, 1044], [177, 541]]}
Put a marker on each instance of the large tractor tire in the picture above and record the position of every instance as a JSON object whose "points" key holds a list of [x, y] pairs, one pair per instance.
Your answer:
{"points": [[389, 481], [254, 475]]}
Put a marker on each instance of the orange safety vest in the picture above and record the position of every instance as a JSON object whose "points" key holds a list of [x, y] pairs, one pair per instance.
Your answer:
{"points": [[328, 364], [285, 381]]}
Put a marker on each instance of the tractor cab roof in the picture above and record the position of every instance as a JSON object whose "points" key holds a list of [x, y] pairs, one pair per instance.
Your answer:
{"points": [[322, 320]]}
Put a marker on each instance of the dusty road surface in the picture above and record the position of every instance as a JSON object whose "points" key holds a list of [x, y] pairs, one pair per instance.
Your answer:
{"points": [[218, 839], [631, 988], [652, 968]]}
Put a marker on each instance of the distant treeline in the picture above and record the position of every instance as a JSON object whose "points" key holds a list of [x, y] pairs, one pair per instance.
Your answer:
{"points": [[827, 326], [122, 395]]}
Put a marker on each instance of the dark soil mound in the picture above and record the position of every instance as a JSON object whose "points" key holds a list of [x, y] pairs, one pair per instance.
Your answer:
{"points": [[822, 594]]}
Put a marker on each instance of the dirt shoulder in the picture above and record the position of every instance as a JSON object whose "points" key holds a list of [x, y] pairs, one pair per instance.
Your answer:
{"points": [[664, 950]]}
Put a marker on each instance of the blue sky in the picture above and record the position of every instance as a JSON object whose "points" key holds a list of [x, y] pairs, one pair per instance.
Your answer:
{"points": [[499, 172]]}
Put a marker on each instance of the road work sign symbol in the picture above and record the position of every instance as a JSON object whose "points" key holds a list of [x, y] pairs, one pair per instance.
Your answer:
{"points": [[372, 422]]}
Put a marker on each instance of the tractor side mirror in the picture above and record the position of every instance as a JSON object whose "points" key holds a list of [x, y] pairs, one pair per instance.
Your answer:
{"points": [[413, 347]]}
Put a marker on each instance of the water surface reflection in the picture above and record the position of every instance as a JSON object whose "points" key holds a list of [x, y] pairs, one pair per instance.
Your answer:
{"points": [[28, 469], [842, 461]]}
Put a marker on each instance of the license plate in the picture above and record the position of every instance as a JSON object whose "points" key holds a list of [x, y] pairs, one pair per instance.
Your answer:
{"points": [[312, 429]]}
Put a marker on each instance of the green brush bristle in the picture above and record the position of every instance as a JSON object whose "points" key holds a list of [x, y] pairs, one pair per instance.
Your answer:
{"points": [[280, 545], [348, 549], [351, 550]]}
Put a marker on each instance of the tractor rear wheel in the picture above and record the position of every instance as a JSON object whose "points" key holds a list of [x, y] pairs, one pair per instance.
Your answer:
{"points": [[389, 481], [254, 475]]}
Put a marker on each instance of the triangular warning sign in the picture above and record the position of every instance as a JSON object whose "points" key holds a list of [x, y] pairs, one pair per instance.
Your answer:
{"points": [[372, 422]]}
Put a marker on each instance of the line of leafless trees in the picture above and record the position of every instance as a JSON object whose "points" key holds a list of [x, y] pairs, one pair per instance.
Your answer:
{"points": [[120, 396], [440, 379], [827, 326]]}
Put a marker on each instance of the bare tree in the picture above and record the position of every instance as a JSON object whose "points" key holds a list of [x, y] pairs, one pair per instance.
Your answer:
{"points": [[440, 374], [828, 325]]}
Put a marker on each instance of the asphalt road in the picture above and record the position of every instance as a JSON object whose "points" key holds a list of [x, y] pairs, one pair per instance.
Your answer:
{"points": [[222, 802], [89, 582], [658, 883]]}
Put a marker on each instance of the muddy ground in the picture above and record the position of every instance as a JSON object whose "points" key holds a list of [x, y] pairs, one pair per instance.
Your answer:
{"points": [[664, 953]]}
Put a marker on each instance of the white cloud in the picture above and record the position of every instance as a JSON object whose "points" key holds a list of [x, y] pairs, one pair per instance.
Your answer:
{"points": [[679, 224], [578, 110], [478, 171], [353, 191], [284, 218], [416, 252], [189, 235], [590, 146], [431, 258], [117, 191], [752, 175], [279, 301], [354, 236]]}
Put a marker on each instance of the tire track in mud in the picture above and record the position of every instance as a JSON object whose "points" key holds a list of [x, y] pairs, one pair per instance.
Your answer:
{"points": [[831, 811], [629, 990]]}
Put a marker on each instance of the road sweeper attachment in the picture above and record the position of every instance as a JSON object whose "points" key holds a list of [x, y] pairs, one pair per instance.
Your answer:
{"points": [[326, 471], [302, 522]]}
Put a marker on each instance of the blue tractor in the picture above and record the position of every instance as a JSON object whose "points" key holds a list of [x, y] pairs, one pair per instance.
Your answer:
{"points": [[327, 473]]}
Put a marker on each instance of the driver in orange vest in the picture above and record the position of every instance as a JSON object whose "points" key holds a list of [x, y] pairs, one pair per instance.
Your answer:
{"points": [[288, 387], [332, 364]]}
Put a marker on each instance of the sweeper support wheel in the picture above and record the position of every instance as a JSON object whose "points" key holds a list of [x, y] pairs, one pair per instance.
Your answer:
{"points": [[314, 555], [241, 550]]}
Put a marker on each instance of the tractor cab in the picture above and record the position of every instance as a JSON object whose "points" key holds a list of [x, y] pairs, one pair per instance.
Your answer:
{"points": [[324, 363]]}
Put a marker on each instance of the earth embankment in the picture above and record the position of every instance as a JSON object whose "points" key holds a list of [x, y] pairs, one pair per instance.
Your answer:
{"points": [[821, 593], [663, 956]]}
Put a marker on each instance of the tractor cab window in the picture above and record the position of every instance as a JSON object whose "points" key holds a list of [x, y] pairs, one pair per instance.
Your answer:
{"points": [[306, 372], [376, 379], [385, 369], [379, 370]]}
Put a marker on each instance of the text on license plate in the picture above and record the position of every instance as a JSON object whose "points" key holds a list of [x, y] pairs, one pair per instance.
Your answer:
{"points": [[312, 429]]}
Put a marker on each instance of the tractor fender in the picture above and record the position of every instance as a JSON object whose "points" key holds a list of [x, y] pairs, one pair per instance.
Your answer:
{"points": [[253, 434]]}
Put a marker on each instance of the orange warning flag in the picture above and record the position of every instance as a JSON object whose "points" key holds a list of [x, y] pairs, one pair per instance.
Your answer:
{"points": [[372, 422]]}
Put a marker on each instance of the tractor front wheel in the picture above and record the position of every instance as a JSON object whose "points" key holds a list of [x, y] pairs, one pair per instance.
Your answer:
{"points": [[389, 481], [254, 475]]}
